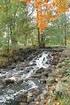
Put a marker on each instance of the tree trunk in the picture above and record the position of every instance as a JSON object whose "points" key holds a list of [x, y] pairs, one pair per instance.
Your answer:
{"points": [[38, 37], [65, 37], [42, 41]]}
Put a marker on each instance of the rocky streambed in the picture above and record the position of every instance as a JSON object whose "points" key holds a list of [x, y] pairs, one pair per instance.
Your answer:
{"points": [[27, 81]]}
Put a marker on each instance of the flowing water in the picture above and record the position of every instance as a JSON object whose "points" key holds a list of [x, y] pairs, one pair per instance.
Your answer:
{"points": [[17, 82]]}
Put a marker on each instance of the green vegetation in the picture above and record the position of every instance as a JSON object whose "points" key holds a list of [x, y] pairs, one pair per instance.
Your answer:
{"points": [[16, 29]]}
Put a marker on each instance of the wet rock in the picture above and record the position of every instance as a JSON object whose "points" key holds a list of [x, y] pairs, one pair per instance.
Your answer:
{"points": [[41, 70], [43, 81], [1, 86], [21, 98], [11, 80], [12, 66], [1, 83], [30, 97], [7, 82]]}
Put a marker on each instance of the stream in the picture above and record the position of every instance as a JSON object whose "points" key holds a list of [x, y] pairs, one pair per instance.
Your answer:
{"points": [[21, 82]]}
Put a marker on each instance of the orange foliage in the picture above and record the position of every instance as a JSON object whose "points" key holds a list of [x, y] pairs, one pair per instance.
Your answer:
{"points": [[62, 5], [37, 3], [48, 11], [41, 21]]}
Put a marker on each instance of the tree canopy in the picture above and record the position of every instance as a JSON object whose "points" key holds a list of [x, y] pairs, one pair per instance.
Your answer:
{"points": [[47, 10]]}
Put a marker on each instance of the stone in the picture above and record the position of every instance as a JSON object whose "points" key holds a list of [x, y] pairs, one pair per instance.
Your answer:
{"points": [[9, 81], [21, 98], [23, 103], [37, 103]]}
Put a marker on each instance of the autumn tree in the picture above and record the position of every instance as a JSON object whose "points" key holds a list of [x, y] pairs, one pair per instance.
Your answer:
{"points": [[47, 11]]}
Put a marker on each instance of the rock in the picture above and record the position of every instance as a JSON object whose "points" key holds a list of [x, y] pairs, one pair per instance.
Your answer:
{"points": [[29, 94], [37, 103], [23, 103], [44, 92], [11, 80], [29, 97], [21, 98], [12, 66]]}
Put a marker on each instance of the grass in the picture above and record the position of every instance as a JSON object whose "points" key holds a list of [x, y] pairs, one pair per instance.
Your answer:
{"points": [[59, 82]]}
